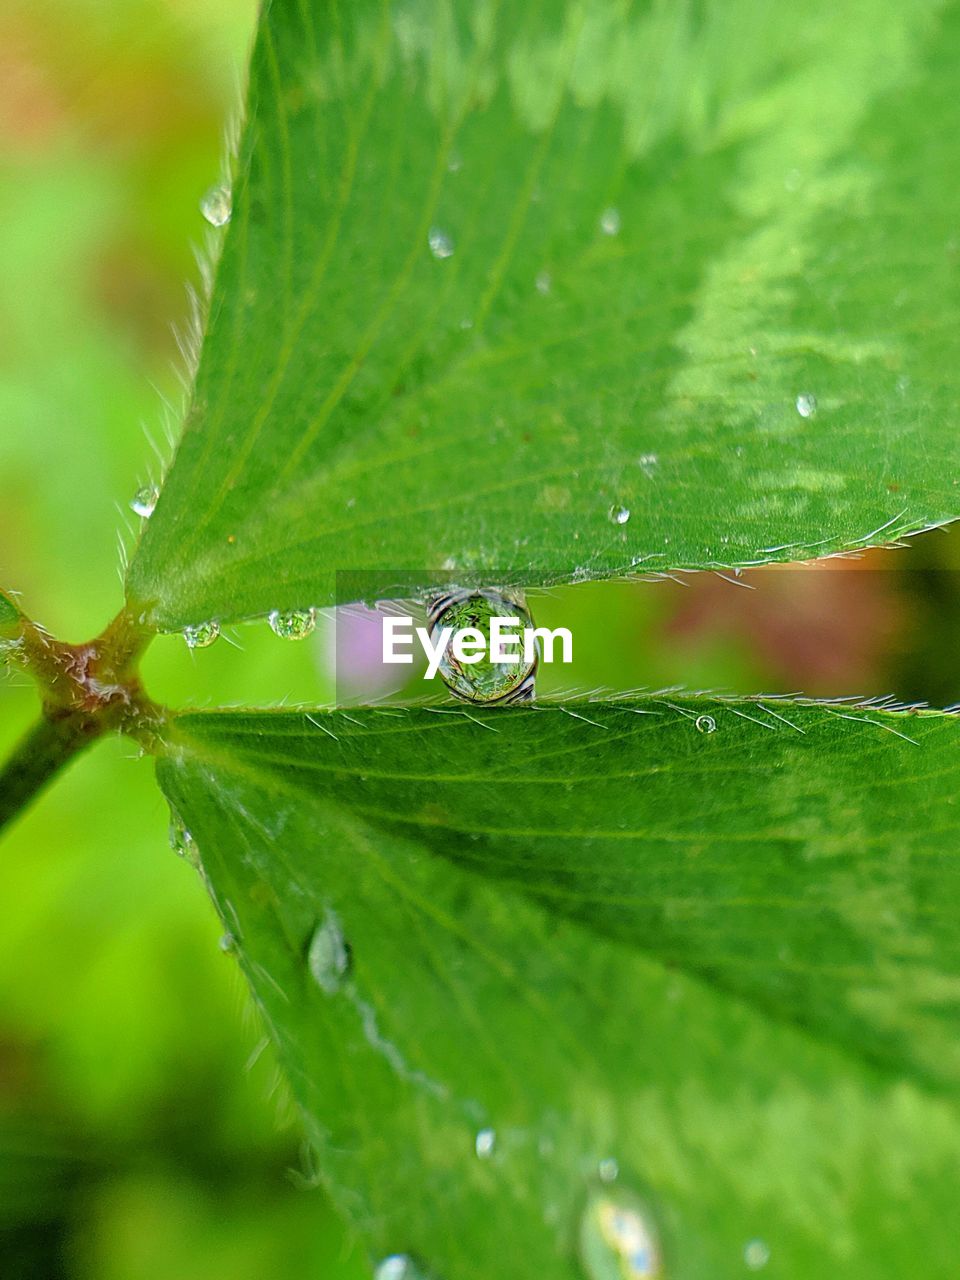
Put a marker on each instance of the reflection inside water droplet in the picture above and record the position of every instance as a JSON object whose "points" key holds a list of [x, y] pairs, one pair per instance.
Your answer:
{"points": [[216, 206], [328, 955], [485, 1142], [202, 635], [618, 1240], [618, 514], [181, 841], [610, 222], [441, 244], [399, 1266], [806, 405], [756, 1254], [294, 624], [484, 680], [144, 501], [706, 724]]}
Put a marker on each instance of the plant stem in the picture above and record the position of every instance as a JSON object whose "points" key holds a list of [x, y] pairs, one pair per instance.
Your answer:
{"points": [[39, 756]]}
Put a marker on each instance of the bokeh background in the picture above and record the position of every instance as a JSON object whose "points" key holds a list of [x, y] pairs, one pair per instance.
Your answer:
{"points": [[145, 1133]]}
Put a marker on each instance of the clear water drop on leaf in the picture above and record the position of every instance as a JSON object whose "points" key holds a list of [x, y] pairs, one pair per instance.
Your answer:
{"points": [[484, 681], [756, 1254], [216, 206], [293, 624], [618, 1239], [144, 501], [705, 724], [544, 283], [328, 955], [441, 244], [202, 635], [806, 405], [610, 222], [485, 1142], [399, 1266], [618, 514], [181, 841], [608, 1170], [227, 943]]}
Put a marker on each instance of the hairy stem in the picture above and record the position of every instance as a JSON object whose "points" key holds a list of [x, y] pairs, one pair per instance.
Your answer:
{"points": [[39, 756]]}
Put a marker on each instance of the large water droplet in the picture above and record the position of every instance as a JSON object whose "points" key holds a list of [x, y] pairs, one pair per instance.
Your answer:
{"points": [[441, 244], [181, 841], [618, 1240], [202, 635], [216, 206], [806, 405], [485, 1142], [328, 955], [756, 1254], [144, 501], [399, 1266], [705, 724], [294, 624], [610, 222], [618, 514], [484, 681]]}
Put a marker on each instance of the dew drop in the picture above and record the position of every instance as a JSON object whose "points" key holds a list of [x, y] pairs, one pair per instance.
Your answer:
{"points": [[484, 681], [756, 1254], [216, 206], [144, 501], [610, 222], [441, 244], [399, 1266], [202, 635], [294, 624], [806, 405], [227, 943], [328, 955], [543, 282], [618, 514], [618, 1240], [706, 724], [485, 1142], [608, 1170], [181, 841]]}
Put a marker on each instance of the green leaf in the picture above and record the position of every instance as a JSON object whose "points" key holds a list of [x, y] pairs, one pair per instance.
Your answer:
{"points": [[9, 613], [772, 179], [724, 957]]}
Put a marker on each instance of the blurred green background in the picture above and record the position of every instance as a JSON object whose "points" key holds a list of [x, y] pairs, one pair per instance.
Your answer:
{"points": [[144, 1131]]}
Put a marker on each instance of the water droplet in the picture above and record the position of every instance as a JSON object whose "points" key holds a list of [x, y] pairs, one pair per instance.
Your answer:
{"points": [[328, 955], [202, 635], [648, 462], [181, 841], [806, 405], [216, 206], [484, 681], [295, 624], [610, 222], [227, 943], [144, 501], [609, 1170], [486, 1140], [399, 1266], [618, 1240], [756, 1254], [705, 724], [441, 244], [619, 515], [544, 282]]}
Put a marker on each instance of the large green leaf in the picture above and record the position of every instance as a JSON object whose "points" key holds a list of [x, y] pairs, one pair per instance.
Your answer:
{"points": [[669, 223], [725, 959]]}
